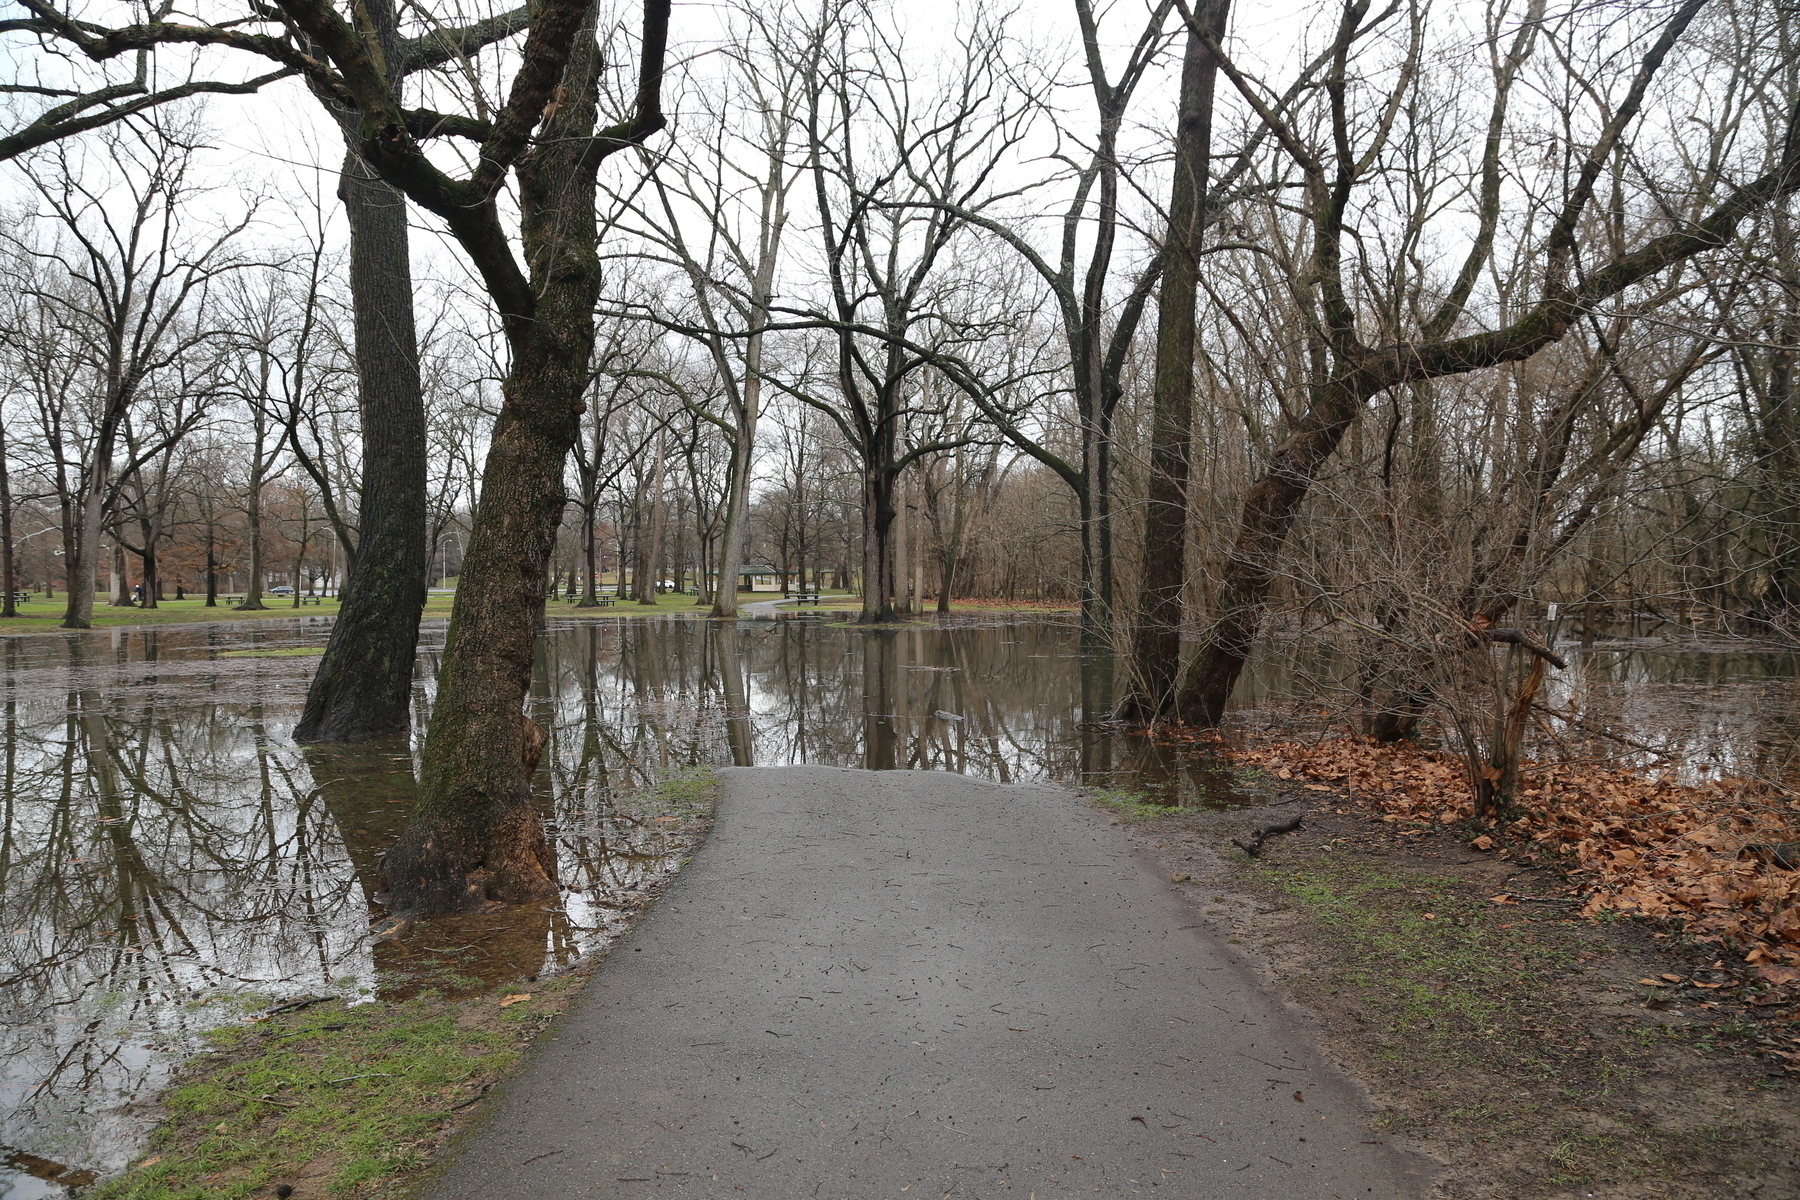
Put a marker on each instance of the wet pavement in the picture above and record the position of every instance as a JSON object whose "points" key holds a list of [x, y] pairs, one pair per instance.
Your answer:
{"points": [[867, 983]]}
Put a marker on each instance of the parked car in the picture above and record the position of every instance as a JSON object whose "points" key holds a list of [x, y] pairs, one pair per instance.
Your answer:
{"points": [[281, 590]]}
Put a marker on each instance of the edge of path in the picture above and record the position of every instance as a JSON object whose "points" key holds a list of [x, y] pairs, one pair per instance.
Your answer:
{"points": [[1515, 1045]]}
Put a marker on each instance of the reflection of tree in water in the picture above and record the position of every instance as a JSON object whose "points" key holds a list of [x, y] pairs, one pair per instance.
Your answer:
{"points": [[151, 859], [1020, 700], [163, 848], [621, 718]]}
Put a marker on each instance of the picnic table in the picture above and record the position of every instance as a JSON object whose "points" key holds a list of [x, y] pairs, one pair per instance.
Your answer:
{"points": [[811, 598]]}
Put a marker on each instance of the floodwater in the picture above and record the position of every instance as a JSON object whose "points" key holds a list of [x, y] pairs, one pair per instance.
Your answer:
{"points": [[170, 861]]}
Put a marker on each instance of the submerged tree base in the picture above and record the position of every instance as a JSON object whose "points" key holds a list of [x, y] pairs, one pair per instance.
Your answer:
{"points": [[441, 866]]}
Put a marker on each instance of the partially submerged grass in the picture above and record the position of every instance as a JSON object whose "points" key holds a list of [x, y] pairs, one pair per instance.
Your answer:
{"points": [[1129, 805], [688, 793], [45, 616], [332, 1099], [284, 652], [351, 1100]]}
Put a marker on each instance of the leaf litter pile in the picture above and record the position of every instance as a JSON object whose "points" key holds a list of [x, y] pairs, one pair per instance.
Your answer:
{"points": [[1717, 860]]}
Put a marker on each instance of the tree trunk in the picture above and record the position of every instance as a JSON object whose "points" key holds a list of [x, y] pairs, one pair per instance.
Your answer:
{"points": [[878, 545], [83, 549], [650, 548], [1156, 645], [253, 584], [737, 505], [8, 582], [152, 585], [1497, 783], [1268, 513], [121, 579], [902, 547], [363, 687], [212, 570], [590, 597], [476, 837]]}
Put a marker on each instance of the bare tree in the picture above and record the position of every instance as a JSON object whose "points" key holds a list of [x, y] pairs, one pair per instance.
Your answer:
{"points": [[1418, 343], [133, 271]]}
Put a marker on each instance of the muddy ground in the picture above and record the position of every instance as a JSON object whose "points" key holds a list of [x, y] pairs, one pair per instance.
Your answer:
{"points": [[1532, 1053]]}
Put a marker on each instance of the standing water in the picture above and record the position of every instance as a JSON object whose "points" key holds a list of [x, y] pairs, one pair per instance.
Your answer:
{"points": [[170, 861]]}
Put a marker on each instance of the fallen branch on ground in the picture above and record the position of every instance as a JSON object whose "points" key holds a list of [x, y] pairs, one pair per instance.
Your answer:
{"points": [[1254, 846]]}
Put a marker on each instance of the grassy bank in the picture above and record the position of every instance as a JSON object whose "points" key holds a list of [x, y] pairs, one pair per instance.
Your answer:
{"points": [[353, 1100], [1535, 1052], [333, 1100], [45, 616]]}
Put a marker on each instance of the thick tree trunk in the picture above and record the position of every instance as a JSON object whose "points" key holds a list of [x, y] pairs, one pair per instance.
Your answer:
{"points": [[152, 584], [212, 570], [84, 554], [878, 546], [650, 563], [1156, 642], [590, 596], [121, 579], [737, 509], [1268, 514], [902, 540], [363, 687], [476, 837], [253, 583]]}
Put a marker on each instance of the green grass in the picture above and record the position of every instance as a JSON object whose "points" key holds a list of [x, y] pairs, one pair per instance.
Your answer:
{"points": [[1129, 805], [687, 793], [41, 615], [1453, 980], [343, 1096]]}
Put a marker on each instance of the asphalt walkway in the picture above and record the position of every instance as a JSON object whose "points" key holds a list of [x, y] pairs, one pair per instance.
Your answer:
{"points": [[912, 984]]}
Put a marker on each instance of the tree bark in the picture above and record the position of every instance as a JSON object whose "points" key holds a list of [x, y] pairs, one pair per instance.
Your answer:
{"points": [[83, 552], [253, 584], [363, 687], [8, 606], [878, 543], [649, 573], [476, 837], [212, 569], [1156, 642], [737, 498], [1268, 513]]}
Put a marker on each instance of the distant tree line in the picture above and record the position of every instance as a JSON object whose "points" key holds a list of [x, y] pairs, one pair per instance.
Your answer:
{"points": [[1392, 328]]}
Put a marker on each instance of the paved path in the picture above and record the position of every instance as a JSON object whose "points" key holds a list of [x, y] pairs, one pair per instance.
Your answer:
{"points": [[911, 984]]}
